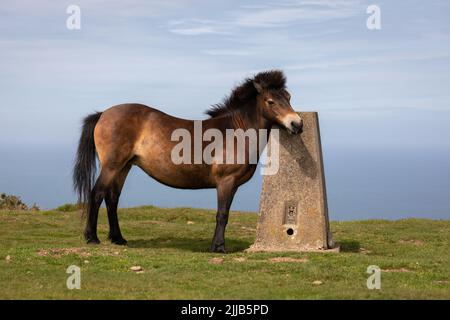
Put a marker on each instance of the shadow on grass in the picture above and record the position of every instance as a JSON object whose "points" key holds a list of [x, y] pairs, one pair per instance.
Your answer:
{"points": [[188, 244], [349, 246]]}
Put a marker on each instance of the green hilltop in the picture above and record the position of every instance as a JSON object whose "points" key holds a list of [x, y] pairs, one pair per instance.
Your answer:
{"points": [[171, 248]]}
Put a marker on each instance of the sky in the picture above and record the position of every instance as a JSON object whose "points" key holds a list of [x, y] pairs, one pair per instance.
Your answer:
{"points": [[382, 95]]}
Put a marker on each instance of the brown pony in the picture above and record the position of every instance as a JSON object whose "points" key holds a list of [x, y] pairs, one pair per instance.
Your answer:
{"points": [[134, 134]]}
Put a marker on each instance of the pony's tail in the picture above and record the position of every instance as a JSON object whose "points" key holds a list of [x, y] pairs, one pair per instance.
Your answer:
{"points": [[85, 166]]}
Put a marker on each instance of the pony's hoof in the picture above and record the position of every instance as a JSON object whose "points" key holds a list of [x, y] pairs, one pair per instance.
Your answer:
{"points": [[218, 249], [93, 240], [119, 241]]}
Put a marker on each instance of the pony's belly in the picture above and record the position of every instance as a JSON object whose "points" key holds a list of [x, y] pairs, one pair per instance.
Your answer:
{"points": [[177, 176]]}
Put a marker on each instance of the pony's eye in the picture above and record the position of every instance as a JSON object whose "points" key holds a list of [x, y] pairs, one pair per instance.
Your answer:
{"points": [[270, 102]]}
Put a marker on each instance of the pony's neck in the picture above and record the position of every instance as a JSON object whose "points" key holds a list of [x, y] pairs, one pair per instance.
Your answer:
{"points": [[251, 118]]}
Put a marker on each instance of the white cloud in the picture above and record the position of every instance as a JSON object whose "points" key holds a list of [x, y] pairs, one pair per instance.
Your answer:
{"points": [[369, 60], [300, 13], [230, 52], [270, 15], [195, 31]]}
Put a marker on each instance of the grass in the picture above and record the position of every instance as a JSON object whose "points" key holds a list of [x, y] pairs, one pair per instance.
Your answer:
{"points": [[171, 247]]}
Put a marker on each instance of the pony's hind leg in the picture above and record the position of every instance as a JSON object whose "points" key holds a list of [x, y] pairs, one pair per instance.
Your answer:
{"points": [[97, 195], [112, 201]]}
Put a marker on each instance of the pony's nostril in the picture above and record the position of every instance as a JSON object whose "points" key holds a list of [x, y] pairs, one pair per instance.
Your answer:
{"points": [[296, 126]]}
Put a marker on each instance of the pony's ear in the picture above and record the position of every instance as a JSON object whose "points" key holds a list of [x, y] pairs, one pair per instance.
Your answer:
{"points": [[258, 86]]}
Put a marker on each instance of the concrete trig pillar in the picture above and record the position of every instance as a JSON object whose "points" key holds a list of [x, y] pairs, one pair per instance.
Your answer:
{"points": [[293, 213]]}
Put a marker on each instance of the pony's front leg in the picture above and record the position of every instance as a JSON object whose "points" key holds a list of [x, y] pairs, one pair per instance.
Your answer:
{"points": [[225, 194]]}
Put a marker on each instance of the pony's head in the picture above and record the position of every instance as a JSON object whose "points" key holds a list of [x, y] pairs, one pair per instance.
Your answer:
{"points": [[274, 101], [267, 92]]}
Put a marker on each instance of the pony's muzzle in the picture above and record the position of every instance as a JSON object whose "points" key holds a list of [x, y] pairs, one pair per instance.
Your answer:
{"points": [[296, 127], [293, 123]]}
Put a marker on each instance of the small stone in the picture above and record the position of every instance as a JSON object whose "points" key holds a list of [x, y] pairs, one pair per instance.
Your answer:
{"points": [[86, 261], [317, 283], [364, 251], [139, 272], [136, 268], [42, 253], [8, 258], [190, 222], [216, 261], [116, 253]]}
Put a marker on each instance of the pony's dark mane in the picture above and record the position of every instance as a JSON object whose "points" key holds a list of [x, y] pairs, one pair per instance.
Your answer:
{"points": [[245, 94]]}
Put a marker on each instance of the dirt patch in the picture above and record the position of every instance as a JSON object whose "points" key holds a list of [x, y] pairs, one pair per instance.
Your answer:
{"points": [[240, 259], [288, 259], [216, 261], [59, 252], [414, 242], [272, 260], [396, 270]]}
